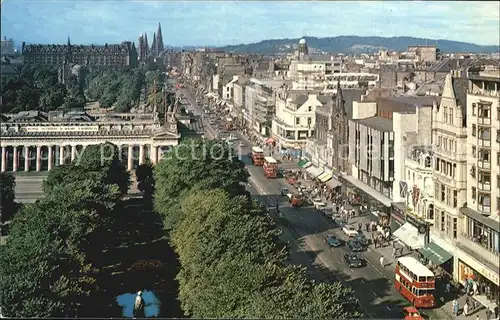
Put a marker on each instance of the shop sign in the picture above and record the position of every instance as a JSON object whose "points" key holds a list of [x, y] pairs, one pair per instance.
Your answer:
{"points": [[420, 225], [468, 264]]}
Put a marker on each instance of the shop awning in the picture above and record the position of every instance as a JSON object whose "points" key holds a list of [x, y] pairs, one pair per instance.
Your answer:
{"points": [[333, 183], [435, 253], [314, 171], [302, 163], [408, 234], [325, 176]]}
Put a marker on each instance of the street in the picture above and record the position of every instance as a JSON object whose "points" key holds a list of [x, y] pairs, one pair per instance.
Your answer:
{"points": [[305, 229]]}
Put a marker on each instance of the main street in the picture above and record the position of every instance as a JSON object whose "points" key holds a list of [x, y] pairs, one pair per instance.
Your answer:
{"points": [[306, 229]]}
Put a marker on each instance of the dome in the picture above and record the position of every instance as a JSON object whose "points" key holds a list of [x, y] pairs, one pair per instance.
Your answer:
{"points": [[302, 41]]}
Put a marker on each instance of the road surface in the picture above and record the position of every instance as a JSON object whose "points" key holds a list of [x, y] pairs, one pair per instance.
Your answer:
{"points": [[306, 228]]}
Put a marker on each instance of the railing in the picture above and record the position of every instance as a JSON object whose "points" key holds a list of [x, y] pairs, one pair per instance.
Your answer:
{"points": [[483, 121], [483, 209], [476, 249], [484, 164], [484, 186], [488, 93]]}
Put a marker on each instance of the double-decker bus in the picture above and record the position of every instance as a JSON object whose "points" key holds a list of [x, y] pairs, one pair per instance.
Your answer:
{"points": [[415, 282]]}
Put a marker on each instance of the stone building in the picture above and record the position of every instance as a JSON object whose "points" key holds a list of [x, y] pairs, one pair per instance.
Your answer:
{"points": [[38, 141], [108, 55]]}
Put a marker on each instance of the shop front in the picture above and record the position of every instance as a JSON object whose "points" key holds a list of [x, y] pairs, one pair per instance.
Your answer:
{"points": [[474, 276], [398, 215], [365, 195]]}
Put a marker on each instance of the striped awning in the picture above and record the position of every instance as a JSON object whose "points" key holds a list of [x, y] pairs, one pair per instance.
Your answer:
{"points": [[325, 176]]}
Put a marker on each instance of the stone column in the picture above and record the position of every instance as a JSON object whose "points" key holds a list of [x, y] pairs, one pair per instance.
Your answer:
{"points": [[4, 159], [15, 159], [141, 154], [26, 159], [154, 154], [130, 158], [61, 155], [38, 158], [73, 153], [50, 158]]}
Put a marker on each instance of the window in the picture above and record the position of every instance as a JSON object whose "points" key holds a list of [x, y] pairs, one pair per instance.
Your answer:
{"points": [[473, 151], [448, 196], [451, 115], [309, 108], [474, 106], [443, 193], [297, 121], [455, 228], [442, 220], [498, 159], [484, 177], [498, 135], [455, 198], [445, 115], [484, 112], [473, 189], [309, 121], [473, 130], [436, 190]]}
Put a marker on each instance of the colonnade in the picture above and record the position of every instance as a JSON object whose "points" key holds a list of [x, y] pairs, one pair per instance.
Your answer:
{"points": [[45, 157]]}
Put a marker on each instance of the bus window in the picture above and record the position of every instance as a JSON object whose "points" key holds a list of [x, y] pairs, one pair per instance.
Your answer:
{"points": [[422, 279], [424, 292]]}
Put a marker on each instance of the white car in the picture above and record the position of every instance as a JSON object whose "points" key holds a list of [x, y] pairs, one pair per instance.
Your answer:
{"points": [[350, 231]]}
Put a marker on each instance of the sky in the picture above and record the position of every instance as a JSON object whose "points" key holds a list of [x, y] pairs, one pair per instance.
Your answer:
{"points": [[218, 23]]}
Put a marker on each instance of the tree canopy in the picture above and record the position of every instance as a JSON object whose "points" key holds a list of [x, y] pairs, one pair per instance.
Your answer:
{"points": [[231, 257], [33, 88], [7, 195], [119, 89], [46, 266]]}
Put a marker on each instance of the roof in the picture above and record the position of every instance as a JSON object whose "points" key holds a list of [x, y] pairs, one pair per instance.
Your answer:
{"points": [[300, 99], [434, 88], [270, 160], [376, 122], [415, 101], [257, 149], [416, 267]]}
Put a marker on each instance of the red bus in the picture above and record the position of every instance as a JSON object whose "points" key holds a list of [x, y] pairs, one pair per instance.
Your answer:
{"points": [[270, 167], [257, 156], [415, 282]]}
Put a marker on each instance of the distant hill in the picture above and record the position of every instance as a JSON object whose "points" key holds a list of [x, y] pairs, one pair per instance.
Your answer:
{"points": [[355, 44]]}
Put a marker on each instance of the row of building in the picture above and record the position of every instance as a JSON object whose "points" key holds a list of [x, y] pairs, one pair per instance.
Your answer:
{"points": [[419, 144]]}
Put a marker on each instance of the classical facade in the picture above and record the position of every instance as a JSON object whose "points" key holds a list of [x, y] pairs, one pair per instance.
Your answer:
{"points": [[37, 141], [108, 55]]}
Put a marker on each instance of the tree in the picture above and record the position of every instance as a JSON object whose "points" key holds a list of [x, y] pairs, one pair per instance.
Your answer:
{"points": [[146, 182], [7, 194], [46, 266], [196, 161]]}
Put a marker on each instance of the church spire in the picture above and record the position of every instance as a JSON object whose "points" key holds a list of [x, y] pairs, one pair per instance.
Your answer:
{"points": [[69, 42], [340, 98], [153, 45], [159, 40]]}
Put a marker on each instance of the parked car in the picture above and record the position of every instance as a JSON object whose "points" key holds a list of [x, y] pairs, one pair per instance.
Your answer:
{"points": [[354, 245], [350, 231], [333, 241], [339, 221], [353, 260], [411, 313]]}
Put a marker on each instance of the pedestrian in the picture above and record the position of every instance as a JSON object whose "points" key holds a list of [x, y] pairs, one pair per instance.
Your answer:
{"points": [[359, 226], [455, 307], [488, 313], [367, 227], [496, 312], [466, 309], [382, 261], [475, 288]]}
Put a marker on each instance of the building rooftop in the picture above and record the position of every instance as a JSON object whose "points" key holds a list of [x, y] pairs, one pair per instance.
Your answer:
{"points": [[376, 122]]}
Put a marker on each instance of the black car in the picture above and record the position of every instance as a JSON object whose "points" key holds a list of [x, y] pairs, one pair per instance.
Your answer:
{"points": [[362, 239], [353, 260], [333, 241], [355, 245]]}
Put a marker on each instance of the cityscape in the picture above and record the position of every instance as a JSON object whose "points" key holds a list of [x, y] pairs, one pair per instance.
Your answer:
{"points": [[310, 160]]}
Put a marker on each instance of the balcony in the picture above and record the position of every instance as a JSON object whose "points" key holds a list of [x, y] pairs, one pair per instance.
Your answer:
{"points": [[485, 93], [485, 165], [484, 187], [478, 251], [483, 209], [483, 121]]}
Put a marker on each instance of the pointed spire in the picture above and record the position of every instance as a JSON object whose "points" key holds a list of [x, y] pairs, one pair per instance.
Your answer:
{"points": [[153, 46], [69, 42], [159, 41], [158, 33], [340, 98]]}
